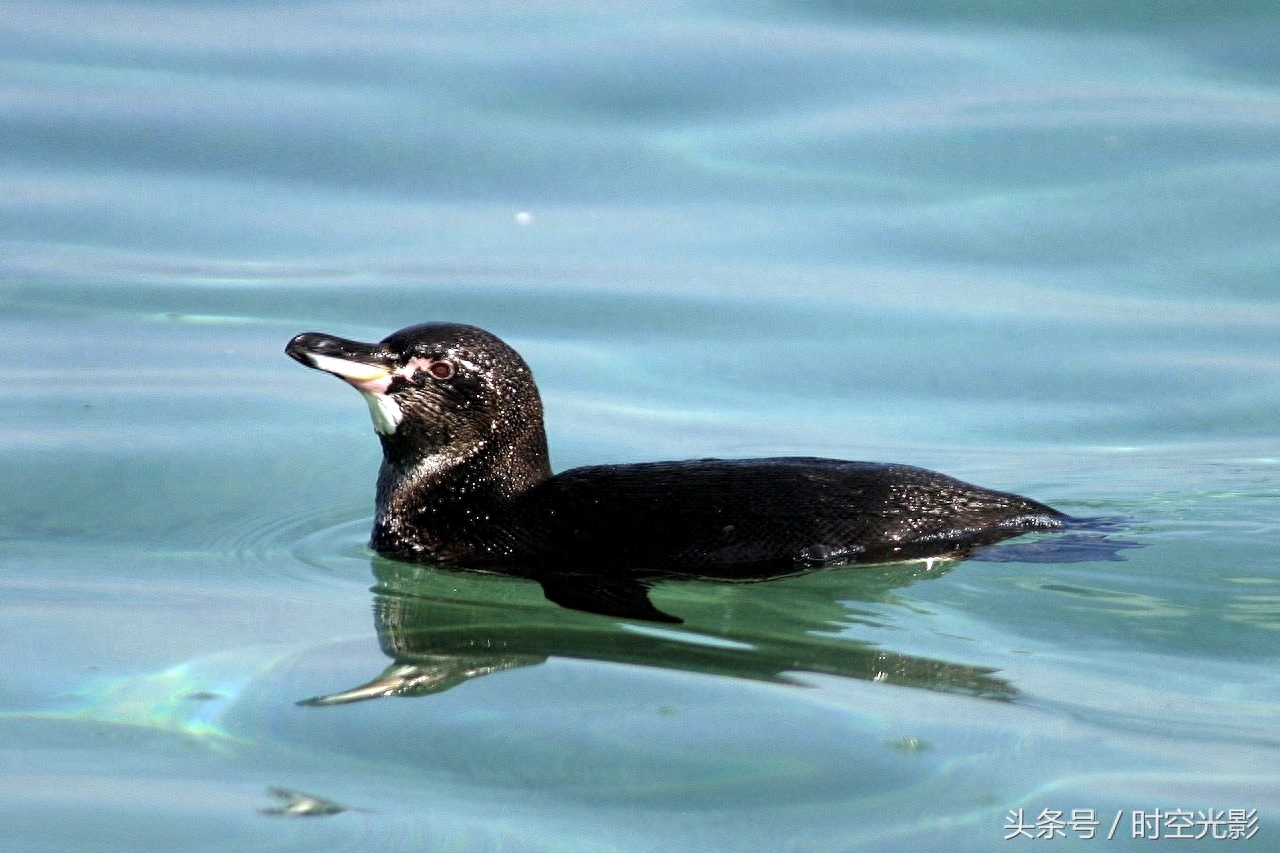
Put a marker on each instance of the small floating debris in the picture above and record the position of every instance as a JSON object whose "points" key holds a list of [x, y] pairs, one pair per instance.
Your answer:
{"points": [[298, 804]]}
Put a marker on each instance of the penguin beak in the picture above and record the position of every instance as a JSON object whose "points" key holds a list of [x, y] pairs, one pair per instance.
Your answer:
{"points": [[366, 367]]}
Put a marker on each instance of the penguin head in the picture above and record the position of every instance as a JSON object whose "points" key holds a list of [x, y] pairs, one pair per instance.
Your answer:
{"points": [[438, 391]]}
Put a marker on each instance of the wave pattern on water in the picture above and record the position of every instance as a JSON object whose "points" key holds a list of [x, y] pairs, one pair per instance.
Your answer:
{"points": [[1029, 244], [308, 546]]}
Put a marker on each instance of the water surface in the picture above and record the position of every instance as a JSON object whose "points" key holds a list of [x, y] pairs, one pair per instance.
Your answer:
{"points": [[1033, 248]]}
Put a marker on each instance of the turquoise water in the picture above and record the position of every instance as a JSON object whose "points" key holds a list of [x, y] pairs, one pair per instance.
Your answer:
{"points": [[1032, 247]]}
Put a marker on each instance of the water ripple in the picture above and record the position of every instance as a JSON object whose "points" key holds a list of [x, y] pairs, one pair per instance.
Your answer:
{"points": [[315, 545]]}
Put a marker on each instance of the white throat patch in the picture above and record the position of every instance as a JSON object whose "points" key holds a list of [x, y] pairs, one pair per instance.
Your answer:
{"points": [[384, 410]]}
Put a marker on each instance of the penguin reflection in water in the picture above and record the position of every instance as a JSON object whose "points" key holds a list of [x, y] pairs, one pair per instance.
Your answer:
{"points": [[466, 482]]}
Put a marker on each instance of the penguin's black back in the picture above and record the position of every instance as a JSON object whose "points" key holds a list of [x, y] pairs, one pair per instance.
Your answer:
{"points": [[763, 514]]}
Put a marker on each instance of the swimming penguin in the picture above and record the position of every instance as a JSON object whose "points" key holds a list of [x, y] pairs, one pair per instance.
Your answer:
{"points": [[466, 481]]}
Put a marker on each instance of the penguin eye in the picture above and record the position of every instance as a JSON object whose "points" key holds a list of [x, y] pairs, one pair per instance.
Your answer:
{"points": [[441, 369]]}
